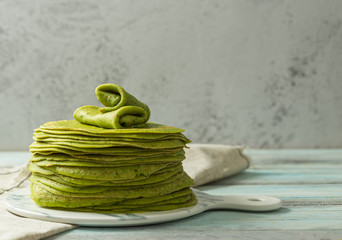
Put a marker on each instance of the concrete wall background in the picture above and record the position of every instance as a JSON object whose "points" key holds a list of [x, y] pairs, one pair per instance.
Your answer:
{"points": [[262, 73]]}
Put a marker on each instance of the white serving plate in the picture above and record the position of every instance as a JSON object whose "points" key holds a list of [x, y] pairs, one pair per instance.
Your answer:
{"points": [[22, 205]]}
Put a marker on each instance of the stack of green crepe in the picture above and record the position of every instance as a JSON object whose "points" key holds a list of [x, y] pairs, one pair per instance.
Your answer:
{"points": [[80, 167]]}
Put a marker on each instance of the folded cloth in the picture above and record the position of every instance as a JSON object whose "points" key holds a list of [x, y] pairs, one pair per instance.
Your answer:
{"points": [[15, 227], [204, 163]]}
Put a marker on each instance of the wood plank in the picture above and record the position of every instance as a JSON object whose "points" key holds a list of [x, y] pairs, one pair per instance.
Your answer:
{"points": [[294, 154], [284, 176], [296, 164], [283, 191], [290, 167], [291, 195], [109, 234]]}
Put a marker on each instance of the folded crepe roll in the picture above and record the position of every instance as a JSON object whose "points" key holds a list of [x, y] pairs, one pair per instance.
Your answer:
{"points": [[121, 109], [114, 97]]}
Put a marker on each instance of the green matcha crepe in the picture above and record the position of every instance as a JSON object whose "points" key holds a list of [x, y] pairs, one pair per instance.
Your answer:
{"points": [[45, 198], [100, 160], [149, 130], [121, 109], [110, 159]]}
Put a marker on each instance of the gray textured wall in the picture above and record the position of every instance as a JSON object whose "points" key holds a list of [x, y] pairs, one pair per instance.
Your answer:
{"points": [[263, 73]]}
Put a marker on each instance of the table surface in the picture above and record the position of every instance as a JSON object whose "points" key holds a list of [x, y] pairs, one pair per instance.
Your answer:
{"points": [[309, 183]]}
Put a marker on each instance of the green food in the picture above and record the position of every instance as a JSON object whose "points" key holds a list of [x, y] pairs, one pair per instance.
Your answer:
{"points": [[106, 160], [149, 130], [121, 109], [47, 199], [110, 160], [161, 176], [127, 192], [105, 173]]}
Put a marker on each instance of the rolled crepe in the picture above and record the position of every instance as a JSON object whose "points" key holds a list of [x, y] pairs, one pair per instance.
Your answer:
{"points": [[121, 109]]}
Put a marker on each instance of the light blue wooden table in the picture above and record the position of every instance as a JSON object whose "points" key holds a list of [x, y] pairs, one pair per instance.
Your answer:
{"points": [[309, 182]]}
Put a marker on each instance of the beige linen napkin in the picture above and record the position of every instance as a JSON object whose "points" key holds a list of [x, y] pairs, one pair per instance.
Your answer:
{"points": [[204, 163], [15, 179], [210, 162]]}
